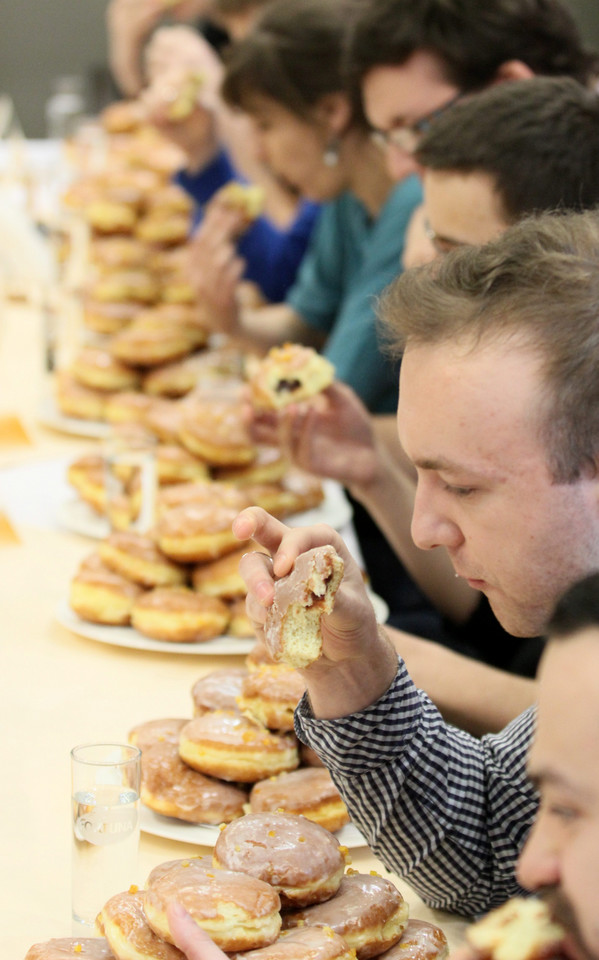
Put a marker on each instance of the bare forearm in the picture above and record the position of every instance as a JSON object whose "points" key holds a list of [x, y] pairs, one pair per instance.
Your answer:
{"points": [[389, 498], [471, 695]]}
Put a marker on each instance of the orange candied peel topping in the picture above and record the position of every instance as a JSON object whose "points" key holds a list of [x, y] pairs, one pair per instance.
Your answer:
{"points": [[77, 947], [374, 873], [133, 888], [222, 826], [351, 871]]}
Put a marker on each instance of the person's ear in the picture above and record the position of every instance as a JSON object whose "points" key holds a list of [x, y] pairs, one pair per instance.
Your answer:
{"points": [[334, 111], [513, 70]]}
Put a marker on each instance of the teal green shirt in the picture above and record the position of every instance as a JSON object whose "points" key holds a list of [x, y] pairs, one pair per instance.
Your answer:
{"points": [[350, 260]]}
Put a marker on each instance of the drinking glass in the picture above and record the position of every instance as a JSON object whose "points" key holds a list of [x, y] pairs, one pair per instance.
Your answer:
{"points": [[105, 811]]}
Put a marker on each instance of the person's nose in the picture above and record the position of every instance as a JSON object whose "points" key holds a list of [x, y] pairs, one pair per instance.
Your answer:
{"points": [[431, 525], [539, 861], [400, 163]]}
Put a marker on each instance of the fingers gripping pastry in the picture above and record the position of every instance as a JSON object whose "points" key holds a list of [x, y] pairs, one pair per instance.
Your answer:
{"points": [[419, 941], [307, 943], [292, 630], [138, 558], [179, 615], [218, 690], [270, 694], [167, 730], [170, 787], [303, 862], [247, 199], [229, 746], [521, 929], [99, 595], [289, 374], [368, 911], [187, 96], [309, 791], [123, 922], [238, 911], [196, 532], [71, 948]]}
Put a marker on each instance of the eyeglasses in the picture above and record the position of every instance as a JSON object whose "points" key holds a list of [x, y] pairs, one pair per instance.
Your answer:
{"points": [[441, 244], [407, 136]]}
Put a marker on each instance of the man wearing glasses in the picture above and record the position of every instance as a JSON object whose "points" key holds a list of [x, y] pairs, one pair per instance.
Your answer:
{"points": [[409, 63]]}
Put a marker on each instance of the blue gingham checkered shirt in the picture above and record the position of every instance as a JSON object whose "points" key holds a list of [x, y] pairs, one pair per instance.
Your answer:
{"points": [[442, 809]]}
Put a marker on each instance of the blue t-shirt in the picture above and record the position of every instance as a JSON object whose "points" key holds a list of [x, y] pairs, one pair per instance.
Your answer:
{"points": [[272, 254], [350, 260]]}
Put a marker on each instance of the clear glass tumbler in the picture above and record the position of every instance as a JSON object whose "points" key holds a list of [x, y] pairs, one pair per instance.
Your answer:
{"points": [[105, 811]]}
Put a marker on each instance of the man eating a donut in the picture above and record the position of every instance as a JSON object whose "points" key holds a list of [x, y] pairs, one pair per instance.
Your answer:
{"points": [[499, 412]]}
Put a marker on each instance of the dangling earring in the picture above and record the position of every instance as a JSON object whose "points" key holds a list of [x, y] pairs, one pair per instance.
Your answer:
{"points": [[330, 156]]}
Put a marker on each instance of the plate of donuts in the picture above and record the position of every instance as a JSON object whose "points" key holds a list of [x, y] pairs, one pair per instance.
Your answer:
{"points": [[49, 415], [128, 637], [206, 836], [77, 516]]}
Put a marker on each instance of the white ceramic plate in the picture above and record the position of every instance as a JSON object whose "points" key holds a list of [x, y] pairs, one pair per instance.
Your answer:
{"points": [[128, 637], [49, 415], [78, 517], [206, 836]]}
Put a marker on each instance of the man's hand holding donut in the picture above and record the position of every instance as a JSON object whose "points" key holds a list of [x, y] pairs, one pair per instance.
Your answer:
{"points": [[358, 662]]}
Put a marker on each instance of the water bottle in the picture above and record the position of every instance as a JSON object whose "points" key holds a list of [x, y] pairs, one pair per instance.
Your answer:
{"points": [[66, 107]]}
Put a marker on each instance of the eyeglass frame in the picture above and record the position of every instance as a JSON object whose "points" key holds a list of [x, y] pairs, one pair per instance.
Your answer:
{"points": [[406, 136]]}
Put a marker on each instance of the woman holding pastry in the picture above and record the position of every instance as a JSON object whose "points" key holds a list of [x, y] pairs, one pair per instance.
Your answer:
{"points": [[287, 75]]}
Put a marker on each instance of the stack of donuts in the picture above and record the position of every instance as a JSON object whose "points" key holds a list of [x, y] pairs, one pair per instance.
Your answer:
{"points": [[275, 888], [238, 752]]}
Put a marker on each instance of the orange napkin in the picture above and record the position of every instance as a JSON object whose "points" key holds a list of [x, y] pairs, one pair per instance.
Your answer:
{"points": [[8, 534], [12, 431]]}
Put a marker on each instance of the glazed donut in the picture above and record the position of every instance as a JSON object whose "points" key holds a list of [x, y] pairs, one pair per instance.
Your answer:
{"points": [[70, 948], [170, 198], [209, 493], [292, 627], [122, 116], [238, 911], [99, 595], [221, 578], [86, 475], [270, 694], [163, 227], [309, 791], [196, 531], [211, 368], [97, 369], [240, 624], [75, 400], [419, 941], [110, 216], [216, 433], [179, 615], [269, 466], [118, 253], [138, 558], [144, 735], [137, 286], [303, 862], [289, 374], [163, 418], [368, 911], [307, 943], [229, 746], [126, 406], [175, 465], [108, 317], [217, 690], [123, 922], [521, 929], [292, 495], [155, 337], [172, 788]]}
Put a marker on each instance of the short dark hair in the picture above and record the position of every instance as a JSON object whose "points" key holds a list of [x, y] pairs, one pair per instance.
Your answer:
{"points": [[472, 38], [235, 6], [536, 286], [577, 609], [294, 55], [538, 139]]}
